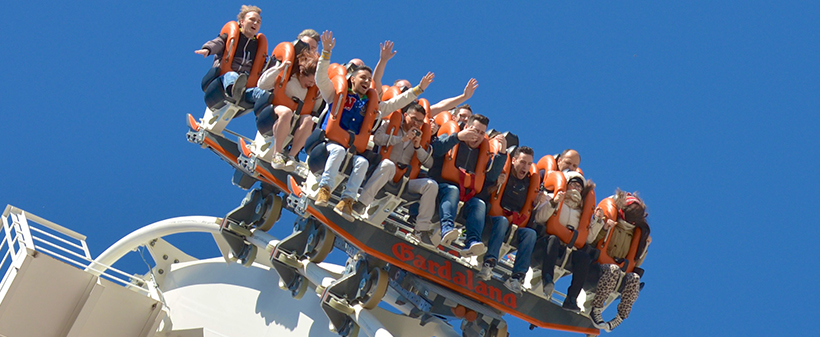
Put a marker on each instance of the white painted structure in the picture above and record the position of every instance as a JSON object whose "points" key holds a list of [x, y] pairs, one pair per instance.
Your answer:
{"points": [[52, 287]]}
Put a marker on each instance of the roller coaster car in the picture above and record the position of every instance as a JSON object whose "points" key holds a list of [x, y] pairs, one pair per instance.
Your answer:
{"points": [[223, 106], [381, 258]]}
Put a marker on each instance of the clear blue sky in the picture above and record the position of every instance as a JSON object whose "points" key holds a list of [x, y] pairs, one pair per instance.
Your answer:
{"points": [[707, 108]]}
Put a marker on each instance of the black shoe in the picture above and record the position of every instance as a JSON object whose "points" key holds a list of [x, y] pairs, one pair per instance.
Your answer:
{"points": [[569, 305], [359, 209], [238, 89]]}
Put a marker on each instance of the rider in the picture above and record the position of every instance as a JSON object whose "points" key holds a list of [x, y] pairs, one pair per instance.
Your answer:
{"points": [[234, 81], [469, 140], [632, 214], [302, 79], [513, 198], [570, 215], [406, 144]]}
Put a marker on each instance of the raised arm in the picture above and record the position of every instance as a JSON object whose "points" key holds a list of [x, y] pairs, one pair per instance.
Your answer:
{"points": [[322, 78], [385, 55], [452, 102], [406, 97], [214, 46]]}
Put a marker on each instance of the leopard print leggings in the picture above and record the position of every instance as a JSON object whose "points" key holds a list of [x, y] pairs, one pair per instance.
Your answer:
{"points": [[610, 274]]}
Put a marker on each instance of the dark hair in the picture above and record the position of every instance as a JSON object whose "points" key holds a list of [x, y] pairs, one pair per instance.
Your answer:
{"points": [[480, 118], [415, 107], [464, 106], [354, 69], [522, 149]]}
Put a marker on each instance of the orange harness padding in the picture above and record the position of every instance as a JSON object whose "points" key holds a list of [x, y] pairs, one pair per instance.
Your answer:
{"points": [[521, 217], [469, 184], [334, 131], [443, 118], [232, 30], [611, 212], [284, 52], [547, 163], [578, 236]]}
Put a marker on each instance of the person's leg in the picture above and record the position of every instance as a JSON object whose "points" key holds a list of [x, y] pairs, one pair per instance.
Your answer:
{"points": [[606, 284], [336, 154], [304, 130], [554, 247], [448, 195], [281, 129], [500, 227], [475, 211], [632, 285], [580, 268], [357, 175], [526, 243], [380, 176], [428, 190]]}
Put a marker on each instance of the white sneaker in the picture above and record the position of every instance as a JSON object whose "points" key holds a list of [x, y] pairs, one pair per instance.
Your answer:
{"points": [[476, 248], [448, 237], [486, 272], [514, 285], [290, 164], [278, 161]]}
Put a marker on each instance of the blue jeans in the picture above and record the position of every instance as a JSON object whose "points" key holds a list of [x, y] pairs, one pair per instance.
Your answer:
{"points": [[526, 243], [251, 94], [474, 211], [335, 157]]}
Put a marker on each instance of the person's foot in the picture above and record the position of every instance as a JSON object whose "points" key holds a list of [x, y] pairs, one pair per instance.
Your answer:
{"points": [[474, 248], [238, 88], [548, 288], [278, 161], [425, 238], [448, 235], [323, 196], [597, 320], [486, 271], [569, 305], [359, 209], [345, 209], [614, 323], [514, 285], [290, 164]]}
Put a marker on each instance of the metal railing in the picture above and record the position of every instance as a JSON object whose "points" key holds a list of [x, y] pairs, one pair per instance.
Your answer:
{"points": [[23, 232]]}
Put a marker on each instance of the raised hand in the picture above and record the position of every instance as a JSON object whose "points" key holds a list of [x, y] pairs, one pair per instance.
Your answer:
{"points": [[472, 84], [387, 52], [426, 80], [203, 52], [328, 42]]}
